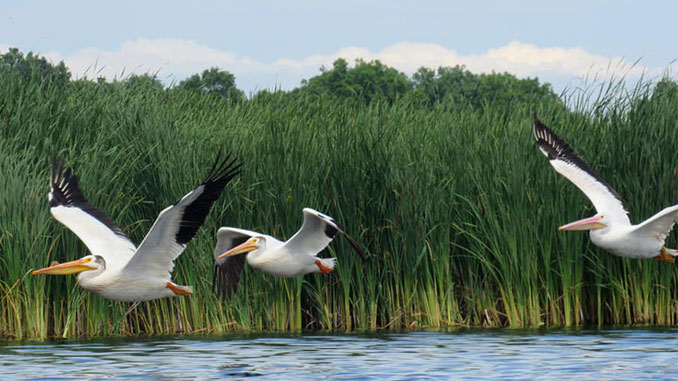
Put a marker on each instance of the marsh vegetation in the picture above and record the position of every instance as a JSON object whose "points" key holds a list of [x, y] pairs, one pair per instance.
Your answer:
{"points": [[451, 199]]}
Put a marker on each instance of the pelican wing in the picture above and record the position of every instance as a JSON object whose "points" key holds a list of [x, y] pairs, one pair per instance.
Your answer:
{"points": [[659, 225], [316, 233], [177, 224], [227, 270], [568, 164], [70, 207]]}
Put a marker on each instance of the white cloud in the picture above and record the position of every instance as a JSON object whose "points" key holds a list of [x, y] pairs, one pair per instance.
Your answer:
{"points": [[175, 59]]}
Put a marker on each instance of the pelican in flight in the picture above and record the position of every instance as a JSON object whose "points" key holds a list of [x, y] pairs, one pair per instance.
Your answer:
{"points": [[610, 228], [295, 257], [115, 268]]}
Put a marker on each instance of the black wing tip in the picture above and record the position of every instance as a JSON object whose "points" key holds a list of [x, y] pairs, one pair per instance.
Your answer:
{"points": [[339, 226], [556, 148], [358, 249], [65, 191], [333, 226], [538, 126], [58, 163], [223, 170], [221, 173], [550, 144], [64, 186], [330, 231]]}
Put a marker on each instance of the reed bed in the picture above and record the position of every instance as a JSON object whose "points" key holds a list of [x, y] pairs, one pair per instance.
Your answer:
{"points": [[456, 207]]}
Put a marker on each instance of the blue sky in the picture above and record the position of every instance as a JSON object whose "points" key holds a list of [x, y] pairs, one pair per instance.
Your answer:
{"points": [[278, 43]]}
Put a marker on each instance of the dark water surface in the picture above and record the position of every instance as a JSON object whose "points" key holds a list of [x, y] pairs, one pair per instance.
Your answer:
{"points": [[586, 354]]}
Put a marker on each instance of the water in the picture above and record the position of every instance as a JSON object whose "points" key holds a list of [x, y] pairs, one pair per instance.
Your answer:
{"points": [[609, 354]]}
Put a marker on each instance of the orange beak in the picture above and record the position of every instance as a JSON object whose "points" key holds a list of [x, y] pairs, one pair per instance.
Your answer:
{"points": [[590, 223], [248, 246], [73, 267]]}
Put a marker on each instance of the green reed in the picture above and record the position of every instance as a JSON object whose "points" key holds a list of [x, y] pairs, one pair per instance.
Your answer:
{"points": [[456, 207]]}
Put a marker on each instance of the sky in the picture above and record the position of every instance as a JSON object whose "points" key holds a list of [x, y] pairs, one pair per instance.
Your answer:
{"points": [[276, 44]]}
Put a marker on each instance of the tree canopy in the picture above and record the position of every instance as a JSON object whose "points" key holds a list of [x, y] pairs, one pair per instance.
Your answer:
{"points": [[214, 82], [365, 82], [457, 85], [32, 67]]}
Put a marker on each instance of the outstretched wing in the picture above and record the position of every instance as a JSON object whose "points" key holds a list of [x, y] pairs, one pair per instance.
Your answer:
{"points": [[568, 164], [177, 224], [659, 225], [316, 233], [70, 207], [227, 270]]}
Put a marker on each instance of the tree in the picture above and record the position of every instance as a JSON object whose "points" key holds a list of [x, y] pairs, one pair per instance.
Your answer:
{"points": [[666, 89], [215, 82], [35, 68], [143, 82], [366, 81], [456, 85], [452, 84]]}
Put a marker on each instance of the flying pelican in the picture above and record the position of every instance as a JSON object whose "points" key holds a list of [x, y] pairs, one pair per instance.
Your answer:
{"points": [[610, 228], [116, 269], [282, 259]]}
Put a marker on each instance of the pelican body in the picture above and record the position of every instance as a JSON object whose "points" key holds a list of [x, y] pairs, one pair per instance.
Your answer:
{"points": [[295, 257], [116, 269], [610, 228]]}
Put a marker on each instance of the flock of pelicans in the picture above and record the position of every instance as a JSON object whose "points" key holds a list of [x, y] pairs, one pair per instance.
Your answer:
{"points": [[116, 269]]}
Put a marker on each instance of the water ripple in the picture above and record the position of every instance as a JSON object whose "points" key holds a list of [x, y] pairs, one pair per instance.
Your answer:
{"points": [[609, 354]]}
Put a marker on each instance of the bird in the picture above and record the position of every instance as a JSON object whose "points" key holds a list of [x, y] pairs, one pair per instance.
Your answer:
{"points": [[115, 268], [610, 228], [295, 257]]}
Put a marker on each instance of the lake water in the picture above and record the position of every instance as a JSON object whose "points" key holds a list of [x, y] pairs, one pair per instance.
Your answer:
{"points": [[586, 354]]}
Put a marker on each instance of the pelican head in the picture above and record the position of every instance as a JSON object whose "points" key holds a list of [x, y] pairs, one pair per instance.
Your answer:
{"points": [[592, 223], [87, 263], [252, 244]]}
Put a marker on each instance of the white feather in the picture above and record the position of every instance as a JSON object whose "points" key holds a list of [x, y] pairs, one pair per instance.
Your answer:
{"points": [[603, 200]]}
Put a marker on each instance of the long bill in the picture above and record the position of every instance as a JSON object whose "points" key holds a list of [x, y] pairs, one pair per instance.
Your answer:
{"points": [[240, 249], [590, 223], [72, 267]]}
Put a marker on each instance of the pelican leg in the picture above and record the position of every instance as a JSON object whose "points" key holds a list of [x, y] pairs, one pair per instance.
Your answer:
{"points": [[323, 269], [179, 290], [664, 256]]}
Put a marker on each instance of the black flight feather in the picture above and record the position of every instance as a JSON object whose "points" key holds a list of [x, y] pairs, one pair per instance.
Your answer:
{"points": [[556, 148], [65, 191], [333, 231], [227, 272], [194, 215]]}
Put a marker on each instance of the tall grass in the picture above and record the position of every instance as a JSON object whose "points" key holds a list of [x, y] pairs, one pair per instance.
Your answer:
{"points": [[457, 209]]}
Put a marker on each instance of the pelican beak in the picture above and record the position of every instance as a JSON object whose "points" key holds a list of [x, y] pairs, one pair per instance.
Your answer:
{"points": [[590, 223], [73, 267], [248, 246]]}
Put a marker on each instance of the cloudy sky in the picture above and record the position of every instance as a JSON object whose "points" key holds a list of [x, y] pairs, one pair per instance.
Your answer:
{"points": [[269, 44]]}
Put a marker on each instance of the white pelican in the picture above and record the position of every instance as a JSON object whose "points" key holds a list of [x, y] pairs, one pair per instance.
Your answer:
{"points": [[116, 269], [610, 228], [283, 259]]}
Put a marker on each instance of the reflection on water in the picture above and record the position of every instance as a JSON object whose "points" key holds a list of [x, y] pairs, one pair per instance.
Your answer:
{"points": [[464, 354]]}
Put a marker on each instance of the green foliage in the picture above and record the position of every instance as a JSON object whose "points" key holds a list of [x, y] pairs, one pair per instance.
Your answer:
{"points": [[215, 82], [32, 68], [143, 82], [458, 86], [366, 81], [457, 210], [453, 87]]}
